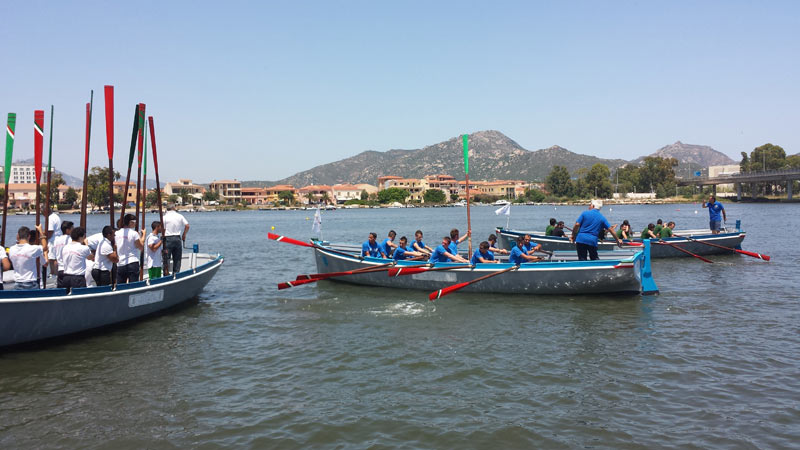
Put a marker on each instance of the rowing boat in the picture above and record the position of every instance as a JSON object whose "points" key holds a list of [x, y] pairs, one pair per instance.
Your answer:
{"points": [[35, 315], [629, 274], [506, 239]]}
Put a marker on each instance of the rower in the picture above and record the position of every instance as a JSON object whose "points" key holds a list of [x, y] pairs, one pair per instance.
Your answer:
{"points": [[666, 232], [518, 254], [558, 231], [659, 226], [403, 252], [483, 255], [649, 232], [74, 256], [624, 231], [528, 247], [442, 253], [586, 230], [418, 245], [23, 258], [105, 257], [128, 241], [549, 230], [370, 248], [388, 245], [493, 245], [455, 240], [55, 251]]}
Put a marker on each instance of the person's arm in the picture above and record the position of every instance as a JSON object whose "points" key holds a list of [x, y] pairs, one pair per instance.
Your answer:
{"points": [[185, 232], [574, 232], [462, 238], [42, 240], [113, 257], [139, 243], [705, 204], [530, 258], [6, 264], [724, 216], [498, 250], [455, 258], [156, 246], [616, 238], [487, 261]]}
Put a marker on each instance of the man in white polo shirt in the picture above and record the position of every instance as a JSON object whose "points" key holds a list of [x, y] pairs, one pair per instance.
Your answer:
{"points": [[175, 229], [23, 257], [129, 243]]}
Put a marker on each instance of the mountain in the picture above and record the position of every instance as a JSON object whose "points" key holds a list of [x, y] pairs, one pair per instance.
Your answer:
{"points": [[691, 158], [493, 155]]}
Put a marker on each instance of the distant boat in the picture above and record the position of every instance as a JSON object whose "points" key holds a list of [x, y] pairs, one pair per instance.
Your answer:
{"points": [[502, 202]]}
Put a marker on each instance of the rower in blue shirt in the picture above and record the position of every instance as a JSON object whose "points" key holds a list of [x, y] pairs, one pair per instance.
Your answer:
{"points": [[387, 246], [418, 245], [588, 226], [403, 252], [493, 246], [528, 246], [519, 255], [370, 248], [442, 253], [455, 240], [483, 255], [714, 219]]}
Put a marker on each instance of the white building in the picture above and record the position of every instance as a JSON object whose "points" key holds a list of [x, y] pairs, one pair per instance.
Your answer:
{"points": [[721, 171], [25, 173]]}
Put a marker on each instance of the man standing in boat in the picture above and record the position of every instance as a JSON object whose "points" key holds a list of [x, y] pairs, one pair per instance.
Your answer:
{"points": [[175, 229], [588, 226], [53, 232], [23, 258], [129, 242], [714, 208]]}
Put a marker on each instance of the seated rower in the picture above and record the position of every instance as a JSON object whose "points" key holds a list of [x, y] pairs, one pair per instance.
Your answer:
{"points": [[659, 226], [549, 230], [666, 232], [418, 245], [483, 255], [455, 240], [387, 246], [442, 253], [518, 254], [649, 232], [528, 246], [371, 248], [624, 231], [403, 252], [23, 257], [493, 245], [558, 231]]}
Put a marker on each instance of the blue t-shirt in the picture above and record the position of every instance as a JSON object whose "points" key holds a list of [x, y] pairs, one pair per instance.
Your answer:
{"points": [[385, 248], [515, 257], [370, 250], [438, 255], [527, 247], [714, 211], [399, 253], [592, 223], [420, 244], [488, 256], [453, 247]]}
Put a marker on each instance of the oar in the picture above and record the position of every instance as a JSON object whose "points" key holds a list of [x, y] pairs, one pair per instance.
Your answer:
{"points": [[685, 251], [38, 147], [47, 197], [85, 193], [450, 289], [411, 270], [288, 240], [158, 190], [325, 276], [134, 135], [108, 92], [743, 252], [12, 122]]}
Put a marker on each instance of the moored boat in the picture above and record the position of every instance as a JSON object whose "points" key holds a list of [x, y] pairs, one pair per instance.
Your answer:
{"points": [[628, 275], [34, 315], [506, 239]]}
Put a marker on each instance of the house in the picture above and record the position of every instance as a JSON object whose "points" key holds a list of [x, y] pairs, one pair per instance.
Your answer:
{"points": [[230, 191], [254, 195], [314, 193], [119, 188], [272, 193], [183, 185], [345, 192], [383, 179]]}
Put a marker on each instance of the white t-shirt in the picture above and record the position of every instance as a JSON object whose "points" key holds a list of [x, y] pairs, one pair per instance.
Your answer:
{"points": [[101, 261], [92, 242], [126, 246], [54, 225], [56, 247], [174, 224], [74, 255], [2, 257], [23, 257], [152, 258]]}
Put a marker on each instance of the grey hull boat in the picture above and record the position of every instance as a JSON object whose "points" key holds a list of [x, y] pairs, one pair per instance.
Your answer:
{"points": [[34, 315]]}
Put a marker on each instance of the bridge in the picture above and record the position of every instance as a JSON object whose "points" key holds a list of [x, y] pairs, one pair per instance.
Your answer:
{"points": [[768, 176]]}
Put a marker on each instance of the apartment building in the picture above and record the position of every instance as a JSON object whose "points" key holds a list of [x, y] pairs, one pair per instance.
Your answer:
{"points": [[230, 191]]}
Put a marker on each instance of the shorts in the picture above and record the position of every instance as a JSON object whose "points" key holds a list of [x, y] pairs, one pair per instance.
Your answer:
{"points": [[715, 225], [154, 272]]}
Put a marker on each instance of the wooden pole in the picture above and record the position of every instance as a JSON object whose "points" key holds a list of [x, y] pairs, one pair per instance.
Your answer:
{"points": [[47, 197], [158, 191], [109, 96], [85, 192], [144, 200], [134, 135]]}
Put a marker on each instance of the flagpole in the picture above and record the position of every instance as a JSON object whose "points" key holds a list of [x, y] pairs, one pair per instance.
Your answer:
{"points": [[465, 139]]}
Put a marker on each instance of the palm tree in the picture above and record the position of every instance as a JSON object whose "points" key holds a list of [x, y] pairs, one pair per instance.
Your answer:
{"points": [[325, 198]]}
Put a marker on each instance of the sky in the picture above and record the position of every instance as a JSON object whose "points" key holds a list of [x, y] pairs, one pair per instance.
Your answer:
{"points": [[262, 90]]}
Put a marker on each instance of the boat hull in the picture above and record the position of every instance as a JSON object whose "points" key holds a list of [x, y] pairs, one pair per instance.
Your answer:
{"points": [[542, 278], [506, 239], [28, 316]]}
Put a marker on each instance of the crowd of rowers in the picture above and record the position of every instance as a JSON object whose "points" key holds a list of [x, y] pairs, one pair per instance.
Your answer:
{"points": [[447, 251], [623, 231], [81, 261]]}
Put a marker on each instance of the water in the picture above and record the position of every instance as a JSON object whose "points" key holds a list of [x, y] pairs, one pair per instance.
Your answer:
{"points": [[711, 362]]}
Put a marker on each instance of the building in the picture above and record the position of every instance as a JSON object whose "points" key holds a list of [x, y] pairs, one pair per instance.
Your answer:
{"points": [[382, 181], [119, 188], [25, 173], [229, 191], [415, 187], [314, 194], [345, 192], [272, 193], [254, 195], [368, 187], [183, 185]]}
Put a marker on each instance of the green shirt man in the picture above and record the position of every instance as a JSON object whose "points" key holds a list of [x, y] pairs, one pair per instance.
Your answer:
{"points": [[667, 230]]}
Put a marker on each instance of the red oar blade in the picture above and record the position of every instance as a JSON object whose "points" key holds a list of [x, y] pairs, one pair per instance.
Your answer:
{"points": [[444, 291], [109, 94], [754, 255], [279, 238], [397, 271], [290, 284]]}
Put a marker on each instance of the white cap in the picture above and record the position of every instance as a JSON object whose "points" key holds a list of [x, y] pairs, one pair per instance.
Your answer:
{"points": [[597, 204]]}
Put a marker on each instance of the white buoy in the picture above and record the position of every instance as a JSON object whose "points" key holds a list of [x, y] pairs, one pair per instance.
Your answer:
{"points": [[695, 211]]}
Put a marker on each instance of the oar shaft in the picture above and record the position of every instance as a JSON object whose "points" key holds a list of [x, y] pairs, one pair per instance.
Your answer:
{"points": [[736, 250]]}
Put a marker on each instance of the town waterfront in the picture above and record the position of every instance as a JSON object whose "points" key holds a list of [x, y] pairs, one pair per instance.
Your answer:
{"points": [[711, 362]]}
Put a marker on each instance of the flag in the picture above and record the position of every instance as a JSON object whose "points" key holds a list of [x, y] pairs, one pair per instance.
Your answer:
{"points": [[317, 226], [504, 210]]}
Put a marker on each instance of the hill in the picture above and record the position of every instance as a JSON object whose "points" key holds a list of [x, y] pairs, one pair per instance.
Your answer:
{"points": [[691, 158]]}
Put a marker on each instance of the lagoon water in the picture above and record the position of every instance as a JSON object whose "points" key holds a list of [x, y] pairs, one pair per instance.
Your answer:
{"points": [[711, 362]]}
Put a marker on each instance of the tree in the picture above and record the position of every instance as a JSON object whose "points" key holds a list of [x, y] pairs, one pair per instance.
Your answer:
{"points": [[173, 198], [453, 197], [597, 181], [434, 196], [627, 179], [70, 197], [364, 195], [655, 171], [287, 197], [534, 195], [152, 197], [767, 157], [97, 186], [558, 182], [55, 181], [325, 198], [184, 193], [211, 196], [392, 195]]}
